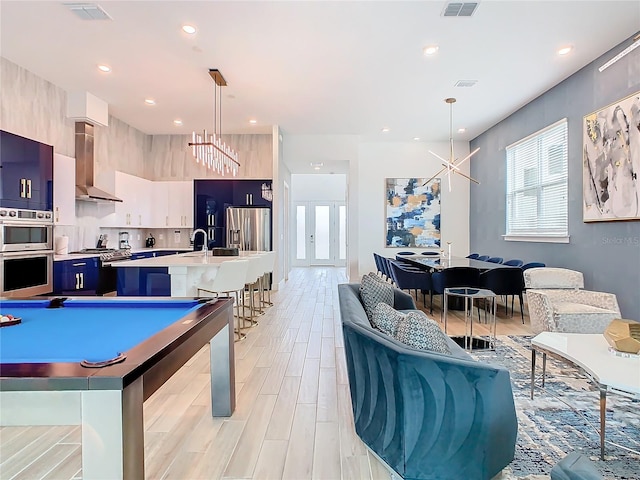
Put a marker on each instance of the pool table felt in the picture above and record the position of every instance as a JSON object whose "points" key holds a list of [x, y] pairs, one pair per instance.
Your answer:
{"points": [[93, 330]]}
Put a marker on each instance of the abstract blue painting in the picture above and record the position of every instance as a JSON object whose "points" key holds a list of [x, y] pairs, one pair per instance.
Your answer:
{"points": [[413, 212]]}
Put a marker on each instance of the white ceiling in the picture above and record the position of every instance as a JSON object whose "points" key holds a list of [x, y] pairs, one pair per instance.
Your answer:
{"points": [[314, 67]]}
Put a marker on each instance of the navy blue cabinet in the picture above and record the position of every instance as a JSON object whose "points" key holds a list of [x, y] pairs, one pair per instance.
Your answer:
{"points": [[143, 281], [76, 277], [252, 192], [212, 197], [26, 178]]}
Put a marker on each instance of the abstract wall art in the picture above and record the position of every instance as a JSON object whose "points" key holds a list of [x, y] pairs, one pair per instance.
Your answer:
{"points": [[412, 212], [611, 162]]}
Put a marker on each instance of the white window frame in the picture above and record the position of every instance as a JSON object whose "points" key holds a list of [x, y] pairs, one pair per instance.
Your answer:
{"points": [[537, 233]]}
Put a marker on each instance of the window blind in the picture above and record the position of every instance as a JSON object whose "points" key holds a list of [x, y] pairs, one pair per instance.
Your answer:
{"points": [[537, 178]]}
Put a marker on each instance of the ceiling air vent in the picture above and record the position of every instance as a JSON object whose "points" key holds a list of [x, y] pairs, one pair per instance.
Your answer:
{"points": [[465, 83], [88, 11], [459, 9]]}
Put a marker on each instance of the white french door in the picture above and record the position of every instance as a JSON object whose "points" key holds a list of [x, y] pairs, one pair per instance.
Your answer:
{"points": [[320, 233]]}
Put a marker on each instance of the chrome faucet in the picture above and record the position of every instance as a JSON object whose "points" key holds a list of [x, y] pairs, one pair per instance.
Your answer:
{"points": [[204, 239]]}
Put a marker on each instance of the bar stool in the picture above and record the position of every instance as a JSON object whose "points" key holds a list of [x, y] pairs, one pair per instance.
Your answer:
{"points": [[254, 272], [230, 277], [268, 265]]}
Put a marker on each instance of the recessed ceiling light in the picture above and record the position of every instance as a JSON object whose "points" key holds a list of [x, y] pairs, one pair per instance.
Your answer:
{"points": [[385, 129], [190, 29], [253, 121], [177, 122], [316, 168], [416, 138], [149, 101], [430, 50], [104, 68], [462, 130], [565, 50]]}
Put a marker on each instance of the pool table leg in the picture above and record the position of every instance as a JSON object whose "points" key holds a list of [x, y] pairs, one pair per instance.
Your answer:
{"points": [[223, 380], [113, 433]]}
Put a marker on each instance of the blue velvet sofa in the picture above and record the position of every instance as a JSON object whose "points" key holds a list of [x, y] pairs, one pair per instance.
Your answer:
{"points": [[427, 415]]}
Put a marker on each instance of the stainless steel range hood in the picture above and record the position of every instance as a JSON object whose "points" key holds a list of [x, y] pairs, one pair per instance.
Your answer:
{"points": [[85, 189]]}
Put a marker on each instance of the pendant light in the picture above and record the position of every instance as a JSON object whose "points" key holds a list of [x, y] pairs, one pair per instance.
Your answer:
{"points": [[452, 165]]}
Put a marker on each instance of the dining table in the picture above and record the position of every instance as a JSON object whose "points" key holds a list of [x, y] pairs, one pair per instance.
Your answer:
{"points": [[434, 264], [437, 263]]}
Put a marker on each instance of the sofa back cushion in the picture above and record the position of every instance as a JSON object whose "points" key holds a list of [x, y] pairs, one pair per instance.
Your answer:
{"points": [[374, 290], [417, 330], [386, 319]]}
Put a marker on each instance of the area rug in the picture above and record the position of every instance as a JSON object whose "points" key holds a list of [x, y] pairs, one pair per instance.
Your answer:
{"points": [[564, 416]]}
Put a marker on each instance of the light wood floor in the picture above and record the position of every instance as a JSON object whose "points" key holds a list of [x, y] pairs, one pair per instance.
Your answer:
{"points": [[293, 417]]}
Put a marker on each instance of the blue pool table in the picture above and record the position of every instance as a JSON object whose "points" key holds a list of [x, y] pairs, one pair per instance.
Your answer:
{"points": [[42, 381]]}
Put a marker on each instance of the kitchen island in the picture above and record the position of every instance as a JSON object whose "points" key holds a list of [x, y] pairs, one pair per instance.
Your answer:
{"points": [[175, 275]]}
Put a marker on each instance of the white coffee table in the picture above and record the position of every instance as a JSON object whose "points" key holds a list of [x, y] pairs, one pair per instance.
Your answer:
{"points": [[591, 353]]}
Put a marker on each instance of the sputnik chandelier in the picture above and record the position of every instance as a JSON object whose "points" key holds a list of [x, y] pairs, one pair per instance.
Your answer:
{"points": [[209, 148], [452, 165]]}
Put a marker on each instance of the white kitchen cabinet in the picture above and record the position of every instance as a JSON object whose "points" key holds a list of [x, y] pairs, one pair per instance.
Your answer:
{"points": [[64, 190], [136, 194], [180, 204], [160, 205], [172, 204]]}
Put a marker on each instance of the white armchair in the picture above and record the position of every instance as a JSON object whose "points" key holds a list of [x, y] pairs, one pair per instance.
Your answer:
{"points": [[558, 303]]}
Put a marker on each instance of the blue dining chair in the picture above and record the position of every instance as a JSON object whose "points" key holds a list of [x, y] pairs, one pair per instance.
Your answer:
{"points": [[526, 266], [406, 279], [495, 259], [483, 258], [505, 281], [384, 263], [378, 259], [516, 262], [473, 256], [453, 277]]}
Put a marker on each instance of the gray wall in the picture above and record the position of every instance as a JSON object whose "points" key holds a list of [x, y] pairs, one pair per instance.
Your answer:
{"points": [[608, 253]]}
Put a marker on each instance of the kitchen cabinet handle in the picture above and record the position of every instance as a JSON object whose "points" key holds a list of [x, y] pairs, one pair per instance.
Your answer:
{"points": [[246, 198], [57, 214], [28, 188], [23, 188], [251, 198], [81, 281], [139, 219], [79, 264], [166, 220], [77, 281]]}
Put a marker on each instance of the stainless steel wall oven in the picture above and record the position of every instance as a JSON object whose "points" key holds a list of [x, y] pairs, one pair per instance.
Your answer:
{"points": [[26, 252]]}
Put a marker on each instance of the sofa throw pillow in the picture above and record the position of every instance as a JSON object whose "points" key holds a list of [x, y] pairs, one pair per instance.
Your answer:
{"points": [[386, 319], [373, 291], [419, 331]]}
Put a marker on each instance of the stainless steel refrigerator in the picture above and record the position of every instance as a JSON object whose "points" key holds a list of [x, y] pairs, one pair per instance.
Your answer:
{"points": [[249, 228]]}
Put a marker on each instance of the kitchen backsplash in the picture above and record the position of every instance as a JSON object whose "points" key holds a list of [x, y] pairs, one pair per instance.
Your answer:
{"points": [[81, 237], [87, 230]]}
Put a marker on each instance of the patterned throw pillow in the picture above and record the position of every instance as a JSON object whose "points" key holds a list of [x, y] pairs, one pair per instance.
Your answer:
{"points": [[386, 319], [418, 331], [374, 291]]}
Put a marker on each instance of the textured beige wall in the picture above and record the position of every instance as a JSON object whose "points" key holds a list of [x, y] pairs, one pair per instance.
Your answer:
{"points": [[35, 108], [169, 157]]}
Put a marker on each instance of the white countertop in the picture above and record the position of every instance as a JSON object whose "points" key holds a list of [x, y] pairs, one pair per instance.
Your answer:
{"points": [[189, 259], [77, 256]]}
